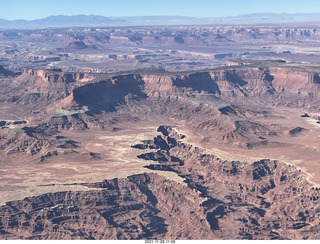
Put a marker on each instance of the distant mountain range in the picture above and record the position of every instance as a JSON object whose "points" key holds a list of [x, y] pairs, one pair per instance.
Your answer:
{"points": [[61, 21], [100, 21]]}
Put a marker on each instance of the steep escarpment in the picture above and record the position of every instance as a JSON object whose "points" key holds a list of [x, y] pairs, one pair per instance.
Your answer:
{"points": [[280, 86], [105, 95], [218, 105], [54, 76], [146, 206], [283, 86], [42, 86], [39, 87]]}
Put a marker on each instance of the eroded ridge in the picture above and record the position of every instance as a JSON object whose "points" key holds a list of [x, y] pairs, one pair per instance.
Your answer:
{"points": [[145, 206], [65, 130], [265, 199]]}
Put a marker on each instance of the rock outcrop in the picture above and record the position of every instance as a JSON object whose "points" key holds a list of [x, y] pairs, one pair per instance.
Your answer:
{"points": [[56, 76], [146, 206], [261, 200], [232, 107]]}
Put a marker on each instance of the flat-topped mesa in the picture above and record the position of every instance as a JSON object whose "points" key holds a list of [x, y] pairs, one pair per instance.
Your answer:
{"points": [[236, 63], [56, 75], [255, 80], [235, 84], [275, 79], [256, 63], [240, 84], [286, 85]]}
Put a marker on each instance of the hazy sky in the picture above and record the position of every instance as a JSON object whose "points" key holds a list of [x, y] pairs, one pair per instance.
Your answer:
{"points": [[34, 9]]}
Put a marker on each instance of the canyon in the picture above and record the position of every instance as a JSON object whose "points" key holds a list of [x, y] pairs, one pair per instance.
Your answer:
{"points": [[160, 133], [172, 48]]}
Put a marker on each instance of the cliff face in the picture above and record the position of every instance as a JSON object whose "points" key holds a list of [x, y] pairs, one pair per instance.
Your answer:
{"points": [[157, 83], [42, 86], [257, 81], [275, 85], [249, 81], [55, 76], [105, 95]]}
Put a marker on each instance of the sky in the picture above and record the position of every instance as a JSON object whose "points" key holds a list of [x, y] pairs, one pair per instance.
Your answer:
{"points": [[36, 9]]}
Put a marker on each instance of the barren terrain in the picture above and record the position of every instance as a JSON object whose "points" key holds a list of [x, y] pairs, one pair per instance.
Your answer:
{"points": [[146, 142], [173, 48]]}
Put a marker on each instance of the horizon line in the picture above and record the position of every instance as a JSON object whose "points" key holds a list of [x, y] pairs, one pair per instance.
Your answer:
{"points": [[185, 16]]}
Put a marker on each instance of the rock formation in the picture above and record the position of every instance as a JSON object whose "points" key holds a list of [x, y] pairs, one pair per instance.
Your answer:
{"points": [[202, 175]]}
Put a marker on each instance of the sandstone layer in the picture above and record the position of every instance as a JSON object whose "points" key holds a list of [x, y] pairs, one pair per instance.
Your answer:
{"points": [[225, 153]]}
